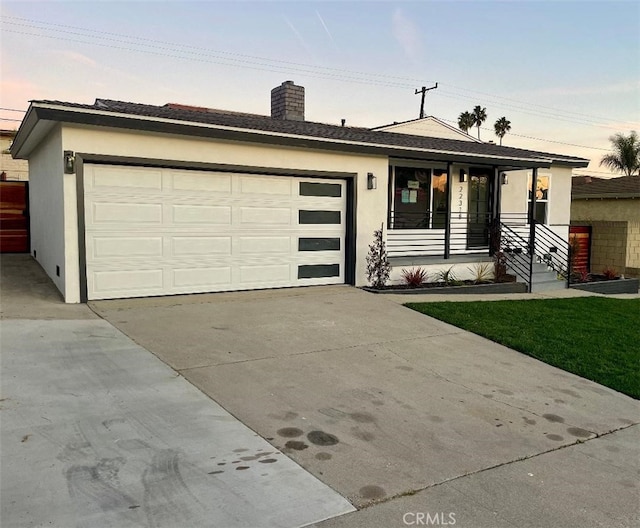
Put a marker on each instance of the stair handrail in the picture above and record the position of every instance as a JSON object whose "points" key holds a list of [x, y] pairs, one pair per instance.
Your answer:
{"points": [[516, 245], [563, 250]]}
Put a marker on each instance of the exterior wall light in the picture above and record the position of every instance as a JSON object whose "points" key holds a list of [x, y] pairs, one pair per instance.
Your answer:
{"points": [[372, 182], [463, 175], [69, 162], [504, 179]]}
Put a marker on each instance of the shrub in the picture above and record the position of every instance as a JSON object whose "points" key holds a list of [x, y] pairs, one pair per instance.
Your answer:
{"points": [[481, 272], [609, 273], [414, 277], [447, 276], [499, 266], [584, 275], [378, 267]]}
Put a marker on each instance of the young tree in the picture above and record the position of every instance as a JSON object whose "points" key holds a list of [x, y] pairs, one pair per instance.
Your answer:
{"points": [[625, 155], [378, 266], [465, 121], [479, 116], [502, 126]]}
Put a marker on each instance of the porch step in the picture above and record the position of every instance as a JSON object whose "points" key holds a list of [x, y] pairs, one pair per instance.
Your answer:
{"points": [[543, 277], [555, 284]]}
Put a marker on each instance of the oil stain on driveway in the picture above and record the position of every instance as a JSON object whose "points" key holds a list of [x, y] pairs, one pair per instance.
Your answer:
{"points": [[96, 431]]}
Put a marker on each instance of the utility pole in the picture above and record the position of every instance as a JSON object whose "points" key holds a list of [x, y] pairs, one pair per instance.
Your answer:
{"points": [[424, 91]]}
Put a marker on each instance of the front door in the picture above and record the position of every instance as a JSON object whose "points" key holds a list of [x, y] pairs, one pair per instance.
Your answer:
{"points": [[478, 217]]}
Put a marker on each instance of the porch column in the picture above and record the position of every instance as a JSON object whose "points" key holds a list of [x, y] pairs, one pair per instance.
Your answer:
{"points": [[497, 195], [447, 223], [532, 224]]}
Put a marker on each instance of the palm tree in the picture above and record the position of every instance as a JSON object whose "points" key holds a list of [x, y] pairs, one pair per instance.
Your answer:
{"points": [[625, 157], [479, 115], [465, 121], [502, 126]]}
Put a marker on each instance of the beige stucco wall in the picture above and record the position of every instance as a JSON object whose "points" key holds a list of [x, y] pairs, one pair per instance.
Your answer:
{"points": [[371, 205], [46, 202], [515, 193]]}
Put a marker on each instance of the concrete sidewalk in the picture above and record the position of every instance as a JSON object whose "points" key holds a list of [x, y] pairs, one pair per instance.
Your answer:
{"points": [[97, 432]]}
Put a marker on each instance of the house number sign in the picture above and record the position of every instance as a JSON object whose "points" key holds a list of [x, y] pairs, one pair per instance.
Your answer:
{"points": [[460, 194]]}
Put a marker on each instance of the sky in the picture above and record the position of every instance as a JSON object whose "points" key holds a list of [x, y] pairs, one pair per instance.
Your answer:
{"points": [[565, 73]]}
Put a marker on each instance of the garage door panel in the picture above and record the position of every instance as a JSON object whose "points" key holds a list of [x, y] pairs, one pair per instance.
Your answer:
{"points": [[109, 212], [185, 277], [262, 216], [248, 245], [105, 177], [201, 181], [265, 274], [128, 280], [258, 186], [201, 214], [208, 231], [130, 246], [188, 246]]}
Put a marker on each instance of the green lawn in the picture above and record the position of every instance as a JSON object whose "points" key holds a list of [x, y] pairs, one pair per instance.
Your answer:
{"points": [[597, 338]]}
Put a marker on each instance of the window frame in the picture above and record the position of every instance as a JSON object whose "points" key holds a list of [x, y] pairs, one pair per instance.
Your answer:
{"points": [[430, 213], [546, 201]]}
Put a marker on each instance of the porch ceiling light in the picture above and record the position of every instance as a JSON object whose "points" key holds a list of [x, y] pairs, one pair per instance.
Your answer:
{"points": [[372, 182], [463, 175]]}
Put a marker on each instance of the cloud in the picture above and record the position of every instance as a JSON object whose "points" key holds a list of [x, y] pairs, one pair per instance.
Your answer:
{"points": [[76, 57], [407, 34]]}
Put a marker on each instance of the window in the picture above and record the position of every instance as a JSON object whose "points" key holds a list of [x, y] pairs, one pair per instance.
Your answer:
{"points": [[419, 199], [542, 198]]}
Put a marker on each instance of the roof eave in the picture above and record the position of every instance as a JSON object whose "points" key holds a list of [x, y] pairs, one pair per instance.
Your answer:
{"points": [[55, 113]]}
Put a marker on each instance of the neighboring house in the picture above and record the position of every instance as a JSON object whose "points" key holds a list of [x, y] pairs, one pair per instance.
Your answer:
{"points": [[134, 200], [608, 211], [11, 169]]}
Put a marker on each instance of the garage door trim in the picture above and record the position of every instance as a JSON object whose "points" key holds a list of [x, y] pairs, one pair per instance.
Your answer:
{"points": [[82, 158]]}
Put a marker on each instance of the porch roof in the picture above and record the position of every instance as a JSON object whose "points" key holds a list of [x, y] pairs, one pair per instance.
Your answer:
{"points": [[222, 124]]}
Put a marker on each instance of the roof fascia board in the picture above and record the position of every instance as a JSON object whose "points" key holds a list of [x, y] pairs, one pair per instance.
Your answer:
{"points": [[171, 126]]}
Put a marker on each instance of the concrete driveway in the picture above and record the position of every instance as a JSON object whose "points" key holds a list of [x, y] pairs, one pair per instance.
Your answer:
{"points": [[97, 432], [400, 413]]}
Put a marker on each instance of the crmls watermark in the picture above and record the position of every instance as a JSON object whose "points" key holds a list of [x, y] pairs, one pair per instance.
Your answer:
{"points": [[429, 519]]}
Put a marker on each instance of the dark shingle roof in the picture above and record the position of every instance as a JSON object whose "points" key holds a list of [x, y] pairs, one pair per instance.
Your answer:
{"points": [[254, 122], [584, 187]]}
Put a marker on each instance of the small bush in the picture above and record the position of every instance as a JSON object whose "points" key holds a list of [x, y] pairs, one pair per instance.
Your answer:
{"points": [[609, 273], [499, 266], [378, 266], [583, 275], [414, 277], [481, 272], [447, 276]]}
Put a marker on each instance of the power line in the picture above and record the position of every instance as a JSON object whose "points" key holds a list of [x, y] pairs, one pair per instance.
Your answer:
{"points": [[13, 110], [7, 119], [576, 117], [529, 137]]}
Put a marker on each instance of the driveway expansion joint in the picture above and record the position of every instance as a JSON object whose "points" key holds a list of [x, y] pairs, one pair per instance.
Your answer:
{"points": [[496, 466]]}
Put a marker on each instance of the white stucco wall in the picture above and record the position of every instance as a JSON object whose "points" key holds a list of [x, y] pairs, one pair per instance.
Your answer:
{"points": [[515, 193], [46, 203], [371, 205]]}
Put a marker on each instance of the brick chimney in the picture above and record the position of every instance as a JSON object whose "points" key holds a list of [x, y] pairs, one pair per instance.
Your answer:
{"points": [[287, 102]]}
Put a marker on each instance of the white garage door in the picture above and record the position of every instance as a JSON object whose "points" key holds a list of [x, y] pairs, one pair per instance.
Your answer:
{"points": [[155, 231]]}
